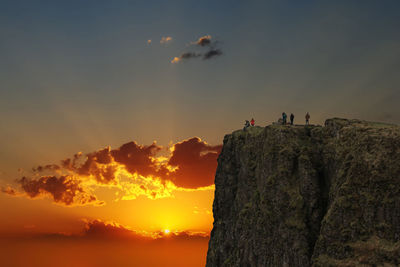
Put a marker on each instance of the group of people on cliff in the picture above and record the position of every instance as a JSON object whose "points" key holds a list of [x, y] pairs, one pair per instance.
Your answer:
{"points": [[247, 123], [284, 118]]}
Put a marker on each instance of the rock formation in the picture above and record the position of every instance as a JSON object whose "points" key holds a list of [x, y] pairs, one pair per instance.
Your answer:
{"points": [[308, 196]]}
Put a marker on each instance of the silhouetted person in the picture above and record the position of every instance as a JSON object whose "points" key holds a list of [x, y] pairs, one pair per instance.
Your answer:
{"points": [[291, 118], [246, 125], [252, 122], [308, 118], [284, 117]]}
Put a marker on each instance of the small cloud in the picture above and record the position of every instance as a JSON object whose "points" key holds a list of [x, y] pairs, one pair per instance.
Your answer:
{"points": [[165, 40], [212, 53], [97, 228], [48, 167], [189, 55], [175, 60], [8, 190], [186, 55], [203, 41]]}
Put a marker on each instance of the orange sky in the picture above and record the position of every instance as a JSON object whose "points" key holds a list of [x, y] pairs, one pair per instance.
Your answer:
{"points": [[144, 188], [140, 205]]}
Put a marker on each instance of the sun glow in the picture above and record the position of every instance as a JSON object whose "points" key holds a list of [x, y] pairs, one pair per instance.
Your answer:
{"points": [[167, 231]]}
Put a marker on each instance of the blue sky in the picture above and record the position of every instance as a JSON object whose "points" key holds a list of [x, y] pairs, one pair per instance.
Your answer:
{"points": [[80, 76]]}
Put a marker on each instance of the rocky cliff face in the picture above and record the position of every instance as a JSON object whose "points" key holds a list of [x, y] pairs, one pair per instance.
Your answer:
{"points": [[308, 196]]}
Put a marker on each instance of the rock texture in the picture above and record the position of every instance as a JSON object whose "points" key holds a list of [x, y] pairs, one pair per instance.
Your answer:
{"points": [[308, 196]]}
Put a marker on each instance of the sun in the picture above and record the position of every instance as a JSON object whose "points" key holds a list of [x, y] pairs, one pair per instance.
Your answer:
{"points": [[167, 231]]}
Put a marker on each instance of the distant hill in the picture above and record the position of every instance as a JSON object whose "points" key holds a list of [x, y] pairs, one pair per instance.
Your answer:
{"points": [[308, 196]]}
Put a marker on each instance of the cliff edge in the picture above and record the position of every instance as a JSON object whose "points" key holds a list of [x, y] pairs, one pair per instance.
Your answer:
{"points": [[308, 196]]}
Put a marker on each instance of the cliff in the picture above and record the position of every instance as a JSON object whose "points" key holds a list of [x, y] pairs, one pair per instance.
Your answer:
{"points": [[308, 196]]}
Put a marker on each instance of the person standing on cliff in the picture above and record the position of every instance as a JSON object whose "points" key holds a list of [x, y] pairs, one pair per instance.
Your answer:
{"points": [[246, 125], [284, 116], [291, 118], [252, 122], [308, 118]]}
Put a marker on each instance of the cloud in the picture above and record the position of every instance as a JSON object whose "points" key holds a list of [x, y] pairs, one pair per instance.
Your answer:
{"points": [[196, 162], [203, 41], [49, 167], [103, 164], [137, 158], [165, 40], [8, 190], [175, 60], [187, 55], [99, 229], [132, 170], [97, 165], [64, 190], [212, 53]]}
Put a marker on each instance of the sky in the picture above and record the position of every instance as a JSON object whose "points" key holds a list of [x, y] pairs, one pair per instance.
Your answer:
{"points": [[112, 113]]}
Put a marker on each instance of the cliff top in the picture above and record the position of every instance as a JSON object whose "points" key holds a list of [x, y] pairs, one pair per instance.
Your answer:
{"points": [[333, 123]]}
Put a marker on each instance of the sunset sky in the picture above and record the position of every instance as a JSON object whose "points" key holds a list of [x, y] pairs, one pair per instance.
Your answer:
{"points": [[112, 113]]}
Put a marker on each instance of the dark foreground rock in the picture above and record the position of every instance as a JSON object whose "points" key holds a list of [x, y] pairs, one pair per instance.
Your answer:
{"points": [[308, 196]]}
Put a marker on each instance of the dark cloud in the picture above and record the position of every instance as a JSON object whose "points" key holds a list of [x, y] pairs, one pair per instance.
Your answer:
{"points": [[137, 158], [64, 190], [102, 156], [97, 165], [196, 162], [100, 229], [212, 53], [187, 235], [204, 41], [189, 55], [180, 235]]}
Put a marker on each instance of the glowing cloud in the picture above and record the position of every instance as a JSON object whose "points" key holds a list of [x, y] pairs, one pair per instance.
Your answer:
{"points": [[132, 170], [165, 40], [187, 55], [175, 60], [203, 41]]}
